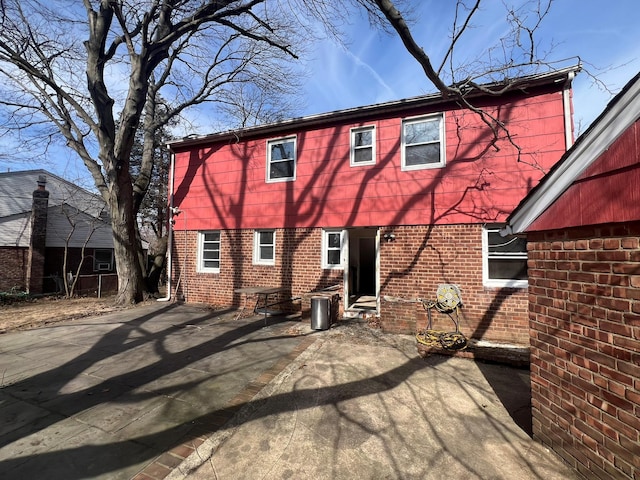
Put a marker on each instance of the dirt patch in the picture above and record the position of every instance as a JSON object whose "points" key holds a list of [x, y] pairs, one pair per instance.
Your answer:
{"points": [[44, 311]]}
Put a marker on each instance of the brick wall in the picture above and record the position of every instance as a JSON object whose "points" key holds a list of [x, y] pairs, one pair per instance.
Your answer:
{"points": [[412, 266], [422, 257], [297, 266], [14, 268], [584, 292]]}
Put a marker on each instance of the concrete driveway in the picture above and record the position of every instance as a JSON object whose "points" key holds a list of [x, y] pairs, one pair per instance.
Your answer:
{"points": [[175, 391]]}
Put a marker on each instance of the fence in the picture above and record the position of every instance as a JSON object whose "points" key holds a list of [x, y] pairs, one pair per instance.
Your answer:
{"points": [[87, 285]]}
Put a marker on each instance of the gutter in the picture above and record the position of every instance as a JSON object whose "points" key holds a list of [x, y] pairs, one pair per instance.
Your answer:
{"points": [[434, 101], [568, 118], [171, 212]]}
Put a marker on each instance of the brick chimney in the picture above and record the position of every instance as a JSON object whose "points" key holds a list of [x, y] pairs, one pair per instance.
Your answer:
{"points": [[37, 244]]}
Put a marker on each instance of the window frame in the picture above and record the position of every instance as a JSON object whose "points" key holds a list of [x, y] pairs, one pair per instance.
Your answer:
{"points": [[353, 132], [325, 248], [257, 259], [487, 257], [441, 141], [200, 267], [274, 141], [97, 263]]}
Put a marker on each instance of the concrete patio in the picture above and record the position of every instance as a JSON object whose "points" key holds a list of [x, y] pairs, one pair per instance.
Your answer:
{"points": [[176, 391]]}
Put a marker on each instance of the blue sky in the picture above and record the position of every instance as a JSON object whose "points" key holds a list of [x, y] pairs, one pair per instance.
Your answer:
{"points": [[374, 67]]}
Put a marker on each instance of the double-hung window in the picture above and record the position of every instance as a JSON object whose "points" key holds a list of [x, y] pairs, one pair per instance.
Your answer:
{"points": [[423, 142], [264, 247], [363, 146], [209, 252], [281, 159], [504, 259], [332, 246]]}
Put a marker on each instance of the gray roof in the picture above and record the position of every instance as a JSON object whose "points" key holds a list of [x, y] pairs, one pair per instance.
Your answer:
{"points": [[16, 191]]}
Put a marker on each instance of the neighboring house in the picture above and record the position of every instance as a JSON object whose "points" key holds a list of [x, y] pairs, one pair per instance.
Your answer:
{"points": [[583, 226], [385, 201], [41, 215]]}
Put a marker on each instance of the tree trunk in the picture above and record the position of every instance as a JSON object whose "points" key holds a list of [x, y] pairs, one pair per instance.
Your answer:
{"points": [[153, 279], [130, 278]]}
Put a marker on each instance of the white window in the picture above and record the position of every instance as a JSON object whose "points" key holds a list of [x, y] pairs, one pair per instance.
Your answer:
{"points": [[363, 146], [209, 252], [264, 247], [281, 159], [423, 143], [103, 260], [504, 259], [332, 248]]}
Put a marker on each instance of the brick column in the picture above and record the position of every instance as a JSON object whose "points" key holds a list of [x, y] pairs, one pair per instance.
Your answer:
{"points": [[38, 240]]}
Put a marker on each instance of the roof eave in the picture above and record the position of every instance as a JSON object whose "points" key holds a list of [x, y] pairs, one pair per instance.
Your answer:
{"points": [[559, 76], [617, 117]]}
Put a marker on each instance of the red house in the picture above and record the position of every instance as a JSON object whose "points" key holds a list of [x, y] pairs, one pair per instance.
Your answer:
{"points": [[385, 202], [583, 226]]}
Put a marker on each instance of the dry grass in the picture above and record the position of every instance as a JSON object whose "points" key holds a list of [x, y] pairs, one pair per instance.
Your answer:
{"points": [[48, 310]]}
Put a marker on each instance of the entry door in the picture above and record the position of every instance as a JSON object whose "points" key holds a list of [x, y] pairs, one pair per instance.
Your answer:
{"points": [[367, 263]]}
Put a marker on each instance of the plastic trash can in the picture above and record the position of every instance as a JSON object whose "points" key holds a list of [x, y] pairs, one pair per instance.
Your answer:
{"points": [[320, 313]]}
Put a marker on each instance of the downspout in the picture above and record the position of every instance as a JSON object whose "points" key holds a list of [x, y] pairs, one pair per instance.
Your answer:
{"points": [[170, 227], [566, 104]]}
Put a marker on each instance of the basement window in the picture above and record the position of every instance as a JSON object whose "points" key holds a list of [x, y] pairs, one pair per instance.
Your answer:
{"points": [[209, 251], [264, 247], [504, 259]]}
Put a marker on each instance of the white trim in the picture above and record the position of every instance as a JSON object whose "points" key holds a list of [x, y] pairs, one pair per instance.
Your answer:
{"points": [[256, 247], [353, 148], [200, 268], [497, 283], [325, 247], [290, 138], [441, 132], [619, 116]]}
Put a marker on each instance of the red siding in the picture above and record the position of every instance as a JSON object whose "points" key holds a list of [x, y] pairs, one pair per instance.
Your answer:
{"points": [[607, 192], [223, 186]]}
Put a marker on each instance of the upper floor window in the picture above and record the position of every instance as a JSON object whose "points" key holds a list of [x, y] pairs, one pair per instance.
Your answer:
{"points": [[209, 252], [103, 260], [281, 159], [332, 246], [423, 142], [264, 247], [363, 146], [504, 259]]}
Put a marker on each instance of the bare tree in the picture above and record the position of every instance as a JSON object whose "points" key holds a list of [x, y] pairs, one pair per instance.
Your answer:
{"points": [[497, 71], [83, 225], [97, 73], [94, 92]]}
